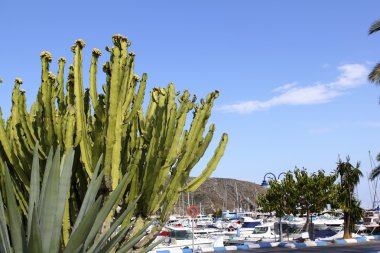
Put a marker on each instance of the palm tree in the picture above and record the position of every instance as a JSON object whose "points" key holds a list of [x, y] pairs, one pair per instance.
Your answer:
{"points": [[349, 178], [376, 171], [374, 76]]}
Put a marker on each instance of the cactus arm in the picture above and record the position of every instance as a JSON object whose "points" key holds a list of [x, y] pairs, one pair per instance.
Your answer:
{"points": [[157, 168], [46, 98], [70, 97], [98, 140], [203, 146], [26, 123], [78, 90], [112, 115], [15, 132], [60, 85], [129, 83], [122, 42], [59, 94], [93, 71], [10, 155], [176, 150], [81, 137], [70, 127], [134, 183], [139, 98], [182, 169], [116, 156], [4, 141], [211, 166], [164, 170], [29, 137], [53, 119]]}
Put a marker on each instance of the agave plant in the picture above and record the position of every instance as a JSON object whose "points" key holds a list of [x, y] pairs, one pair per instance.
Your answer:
{"points": [[41, 232]]}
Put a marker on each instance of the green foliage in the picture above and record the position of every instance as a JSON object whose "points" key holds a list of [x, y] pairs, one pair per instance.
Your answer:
{"points": [[349, 178], [314, 190], [218, 213], [47, 200], [374, 75], [299, 192], [279, 197], [153, 150]]}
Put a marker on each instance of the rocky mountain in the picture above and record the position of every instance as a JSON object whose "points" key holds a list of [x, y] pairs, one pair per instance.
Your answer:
{"points": [[221, 193]]}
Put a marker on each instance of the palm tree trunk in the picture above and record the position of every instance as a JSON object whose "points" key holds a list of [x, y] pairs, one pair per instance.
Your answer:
{"points": [[347, 233]]}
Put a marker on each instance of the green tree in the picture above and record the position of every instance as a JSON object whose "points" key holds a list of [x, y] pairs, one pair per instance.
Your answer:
{"points": [[299, 192], [349, 177], [279, 197], [376, 171], [313, 192], [218, 213], [374, 76]]}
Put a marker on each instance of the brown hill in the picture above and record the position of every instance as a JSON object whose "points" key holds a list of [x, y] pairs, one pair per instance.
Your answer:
{"points": [[221, 193]]}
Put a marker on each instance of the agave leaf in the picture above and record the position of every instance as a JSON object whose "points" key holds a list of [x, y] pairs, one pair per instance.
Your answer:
{"points": [[135, 239], [35, 242], [95, 189], [105, 211], [49, 208], [14, 218], [90, 195], [79, 249], [150, 247], [64, 185], [2, 249], [34, 192], [80, 234], [45, 181], [104, 237], [4, 237], [116, 239]]}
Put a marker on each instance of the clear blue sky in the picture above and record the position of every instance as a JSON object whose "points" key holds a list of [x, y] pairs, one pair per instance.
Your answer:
{"points": [[291, 74]]}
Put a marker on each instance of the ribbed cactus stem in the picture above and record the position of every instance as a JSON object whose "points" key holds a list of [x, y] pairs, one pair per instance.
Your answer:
{"points": [[112, 115], [29, 136], [60, 85], [96, 53], [70, 97], [45, 105], [81, 136], [128, 82], [211, 166], [51, 111]]}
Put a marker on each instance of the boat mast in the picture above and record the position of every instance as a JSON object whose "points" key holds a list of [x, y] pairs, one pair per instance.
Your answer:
{"points": [[375, 201]]}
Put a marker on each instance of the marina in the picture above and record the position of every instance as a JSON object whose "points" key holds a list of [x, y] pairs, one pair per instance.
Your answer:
{"points": [[204, 231]]}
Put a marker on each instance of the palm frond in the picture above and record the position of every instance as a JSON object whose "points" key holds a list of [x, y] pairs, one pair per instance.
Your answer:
{"points": [[374, 76], [375, 173], [374, 27]]}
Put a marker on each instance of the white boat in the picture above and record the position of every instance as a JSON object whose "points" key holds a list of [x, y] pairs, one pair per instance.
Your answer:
{"points": [[182, 237], [371, 223], [247, 226], [326, 221], [261, 233]]}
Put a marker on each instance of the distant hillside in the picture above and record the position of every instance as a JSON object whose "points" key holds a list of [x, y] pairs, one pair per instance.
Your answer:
{"points": [[221, 193]]}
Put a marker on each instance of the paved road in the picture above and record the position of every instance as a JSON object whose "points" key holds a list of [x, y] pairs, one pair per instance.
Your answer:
{"points": [[366, 247]]}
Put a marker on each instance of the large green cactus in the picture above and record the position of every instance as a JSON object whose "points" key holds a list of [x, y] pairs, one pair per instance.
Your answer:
{"points": [[153, 147]]}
